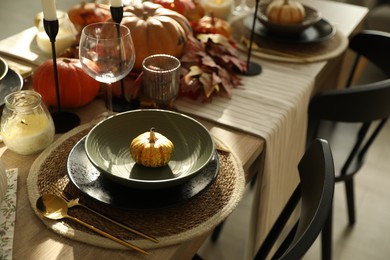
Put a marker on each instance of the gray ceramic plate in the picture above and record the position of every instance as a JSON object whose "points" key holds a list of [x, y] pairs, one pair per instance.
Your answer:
{"points": [[3, 68], [10, 83], [108, 147]]}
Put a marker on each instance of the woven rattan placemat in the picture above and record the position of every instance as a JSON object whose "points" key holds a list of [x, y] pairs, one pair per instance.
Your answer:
{"points": [[171, 225]]}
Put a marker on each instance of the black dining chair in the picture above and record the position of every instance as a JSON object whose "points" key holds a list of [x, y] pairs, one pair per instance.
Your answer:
{"points": [[314, 194], [365, 106]]}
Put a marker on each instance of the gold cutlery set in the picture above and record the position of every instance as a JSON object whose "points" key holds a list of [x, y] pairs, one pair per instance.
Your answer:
{"points": [[56, 207]]}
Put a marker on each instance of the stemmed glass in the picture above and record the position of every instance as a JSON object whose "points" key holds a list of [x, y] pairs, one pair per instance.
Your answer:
{"points": [[242, 8], [107, 54]]}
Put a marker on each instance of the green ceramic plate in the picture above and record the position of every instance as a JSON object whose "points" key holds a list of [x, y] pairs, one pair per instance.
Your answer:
{"points": [[3, 68], [108, 147]]}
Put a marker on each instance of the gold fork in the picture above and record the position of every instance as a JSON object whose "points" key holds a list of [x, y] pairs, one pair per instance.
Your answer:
{"points": [[75, 202]]}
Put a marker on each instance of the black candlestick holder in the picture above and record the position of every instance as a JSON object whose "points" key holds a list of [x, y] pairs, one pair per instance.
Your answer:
{"points": [[121, 104], [252, 68], [63, 121]]}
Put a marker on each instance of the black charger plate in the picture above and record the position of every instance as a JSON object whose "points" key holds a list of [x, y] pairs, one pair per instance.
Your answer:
{"points": [[89, 180]]}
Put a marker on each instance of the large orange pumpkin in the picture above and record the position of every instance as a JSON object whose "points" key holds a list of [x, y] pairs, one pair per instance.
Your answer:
{"points": [[77, 88], [155, 29]]}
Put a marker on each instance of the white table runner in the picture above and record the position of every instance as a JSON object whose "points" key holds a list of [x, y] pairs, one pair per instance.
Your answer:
{"points": [[272, 105]]}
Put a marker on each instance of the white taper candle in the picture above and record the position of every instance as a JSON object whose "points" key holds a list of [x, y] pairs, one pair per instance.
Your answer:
{"points": [[116, 3], [49, 10]]}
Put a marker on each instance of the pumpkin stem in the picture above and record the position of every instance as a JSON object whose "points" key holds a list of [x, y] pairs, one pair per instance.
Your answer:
{"points": [[145, 15], [152, 136], [212, 19]]}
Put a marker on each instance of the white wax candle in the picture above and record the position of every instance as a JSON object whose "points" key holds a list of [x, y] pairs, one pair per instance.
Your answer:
{"points": [[49, 10], [219, 8], [116, 3], [28, 134]]}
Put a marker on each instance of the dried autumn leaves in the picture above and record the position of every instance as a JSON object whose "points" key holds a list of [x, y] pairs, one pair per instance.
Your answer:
{"points": [[209, 67]]}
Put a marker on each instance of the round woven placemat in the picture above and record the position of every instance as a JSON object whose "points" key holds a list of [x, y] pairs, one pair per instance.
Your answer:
{"points": [[289, 52], [171, 225]]}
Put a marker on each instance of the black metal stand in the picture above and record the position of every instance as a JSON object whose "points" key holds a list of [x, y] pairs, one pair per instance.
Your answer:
{"points": [[120, 104], [63, 121], [252, 68]]}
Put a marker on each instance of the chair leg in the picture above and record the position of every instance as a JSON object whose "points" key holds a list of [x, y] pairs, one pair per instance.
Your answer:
{"points": [[216, 232], [326, 238], [350, 201]]}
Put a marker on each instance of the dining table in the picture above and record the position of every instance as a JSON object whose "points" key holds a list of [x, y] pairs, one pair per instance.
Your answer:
{"points": [[263, 127]]}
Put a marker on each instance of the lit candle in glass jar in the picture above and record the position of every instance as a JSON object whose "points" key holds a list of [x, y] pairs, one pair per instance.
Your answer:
{"points": [[219, 8], [26, 125]]}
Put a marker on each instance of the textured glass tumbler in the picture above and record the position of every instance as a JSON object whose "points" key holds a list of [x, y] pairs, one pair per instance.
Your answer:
{"points": [[161, 78]]}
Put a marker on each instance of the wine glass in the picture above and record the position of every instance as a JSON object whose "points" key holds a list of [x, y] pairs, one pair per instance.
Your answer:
{"points": [[242, 8], [107, 54]]}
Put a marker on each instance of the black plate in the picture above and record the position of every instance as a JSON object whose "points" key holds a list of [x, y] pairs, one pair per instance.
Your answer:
{"points": [[10, 83], [320, 31], [88, 179]]}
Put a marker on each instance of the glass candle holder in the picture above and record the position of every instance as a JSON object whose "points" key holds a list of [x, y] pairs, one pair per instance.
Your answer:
{"points": [[65, 38], [161, 78], [218, 8], [26, 125]]}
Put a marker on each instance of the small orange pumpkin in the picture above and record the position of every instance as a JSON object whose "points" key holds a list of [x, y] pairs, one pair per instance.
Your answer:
{"points": [[214, 25], [151, 149], [86, 13], [154, 30], [285, 11], [191, 9], [77, 88]]}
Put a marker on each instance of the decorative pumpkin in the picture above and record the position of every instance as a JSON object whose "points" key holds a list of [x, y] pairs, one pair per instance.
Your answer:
{"points": [[151, 149], [285, 11], [191, 9], [155, 29], [76, 87], [213, 25], [86, 13]]}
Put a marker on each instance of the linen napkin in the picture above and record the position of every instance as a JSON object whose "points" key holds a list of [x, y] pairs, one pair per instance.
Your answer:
{"points": [[23, 46], [7, 215]]}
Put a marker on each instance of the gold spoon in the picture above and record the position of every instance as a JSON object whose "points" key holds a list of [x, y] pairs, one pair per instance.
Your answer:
{"points": [[54, 207]]}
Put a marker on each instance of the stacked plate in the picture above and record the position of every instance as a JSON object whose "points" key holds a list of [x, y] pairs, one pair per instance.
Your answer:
{"points": [[101, 166], [312, 29], [10, 81]]}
